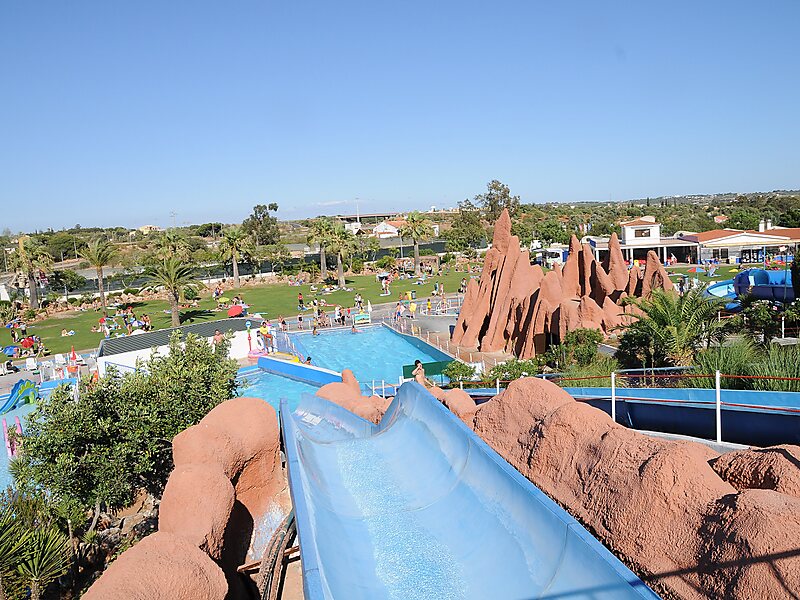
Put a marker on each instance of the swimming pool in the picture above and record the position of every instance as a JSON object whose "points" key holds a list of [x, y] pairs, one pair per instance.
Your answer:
{"points": [[271, 387], [374, 353]]}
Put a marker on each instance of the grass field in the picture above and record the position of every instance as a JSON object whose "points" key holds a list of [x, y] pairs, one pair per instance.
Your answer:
{"points": [[271, 300]]}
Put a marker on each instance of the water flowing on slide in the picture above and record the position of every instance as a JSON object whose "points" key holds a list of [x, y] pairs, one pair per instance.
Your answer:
{"points": [[420, 507]]}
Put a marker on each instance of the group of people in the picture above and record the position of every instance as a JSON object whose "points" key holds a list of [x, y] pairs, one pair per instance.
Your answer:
{"points": [[131, 324]]}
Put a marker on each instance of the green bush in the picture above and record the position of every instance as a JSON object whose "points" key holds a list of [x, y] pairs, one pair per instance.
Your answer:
{"points": [[117, 439], [513, 369], [190, 293], [578, 348], [28, 314], [734, 358], [131, 291], [385, 262], [357, 265], [459, 371]]}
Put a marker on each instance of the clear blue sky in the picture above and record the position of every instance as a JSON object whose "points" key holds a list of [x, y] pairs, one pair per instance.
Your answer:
{"points": [[121, 112]]}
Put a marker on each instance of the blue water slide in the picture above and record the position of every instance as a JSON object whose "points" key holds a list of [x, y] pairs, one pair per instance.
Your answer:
{"points": [[765, 285], [420, 507], [23, 391], [722, 289]]}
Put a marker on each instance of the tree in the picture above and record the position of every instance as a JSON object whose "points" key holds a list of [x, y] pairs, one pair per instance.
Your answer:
{"points": [[466, 231], [174, 276], [211, 230], [118, 439], [342, 243], [743, 218], [495, 199], [671, 329], [551, 231], [99, 254], [320, 232], [278, 255], [417, 227], [32, 259], [63, 245], [67, 279], [173, 243], [235, 244], [261, 225]]}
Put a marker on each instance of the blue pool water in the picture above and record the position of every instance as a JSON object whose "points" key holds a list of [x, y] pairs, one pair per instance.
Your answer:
{"points": [[373, 353], [272, 388]]}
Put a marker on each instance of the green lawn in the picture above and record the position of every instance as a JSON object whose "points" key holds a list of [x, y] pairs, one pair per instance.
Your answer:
{"points": [[271, 299], [723, 272]]}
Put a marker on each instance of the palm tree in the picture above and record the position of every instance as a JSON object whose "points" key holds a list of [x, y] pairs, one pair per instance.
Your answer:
{"points": [[13, 538], [342, 243], [235, 244], [174, 276], [320, 233], [675, 327], [31, 258], [46, 557], [417, 227], [99, 253], [173, 243]]}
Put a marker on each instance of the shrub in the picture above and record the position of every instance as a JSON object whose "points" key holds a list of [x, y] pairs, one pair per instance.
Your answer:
{"points": [[458, 371], [131, 291], [385, 262], [190, 293], [117, 439], [447, 257], [29, 314], [735, 358], [357, 265], [513, 369]]}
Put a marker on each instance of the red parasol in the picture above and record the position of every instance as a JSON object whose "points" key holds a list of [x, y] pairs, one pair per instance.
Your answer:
{"points": [[73, 356], [235, 311], [27, 342]]}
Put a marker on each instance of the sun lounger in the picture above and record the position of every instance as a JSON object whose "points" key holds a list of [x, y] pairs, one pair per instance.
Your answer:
{"points": [[60, 360], [31, 365]]}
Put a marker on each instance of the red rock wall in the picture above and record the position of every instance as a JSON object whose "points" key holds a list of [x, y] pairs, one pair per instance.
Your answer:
{"points": [[347, 394], [515, 307], [227, 473], [657, 503]]}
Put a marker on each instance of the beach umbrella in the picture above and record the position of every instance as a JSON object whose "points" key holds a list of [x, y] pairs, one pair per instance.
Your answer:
{"points": [[235, 311], [696, 270], [27, 342], [222, 299], [73, 356], [9, 350]]}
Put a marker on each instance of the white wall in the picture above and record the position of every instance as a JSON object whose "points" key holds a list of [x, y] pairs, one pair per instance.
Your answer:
{"points": [[127, 360]]}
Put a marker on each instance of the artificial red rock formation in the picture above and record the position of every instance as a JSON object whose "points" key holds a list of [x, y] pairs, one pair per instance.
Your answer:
{"points": [[515, 307], [162, 565], [347, 394], [657, 503], [751, 547], [198, 518], [775, 468], [458, 401], [227, 474], [242, 437]]}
